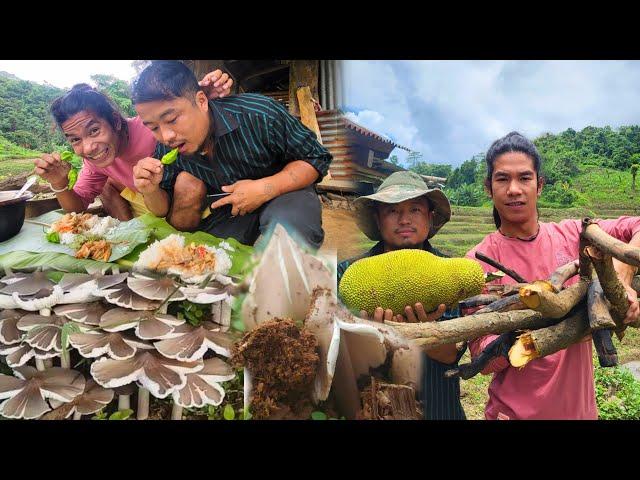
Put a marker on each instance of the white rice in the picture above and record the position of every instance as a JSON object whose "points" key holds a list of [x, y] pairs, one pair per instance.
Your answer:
{"points": [[102, 226], [226, 246], [67, 238]]}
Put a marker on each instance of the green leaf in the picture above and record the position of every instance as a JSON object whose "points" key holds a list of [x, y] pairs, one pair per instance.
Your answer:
{"points": [[229, 413], [246, 414], [318, 416], [67, 329], [101, 415], [53, 237], [121, 414]]}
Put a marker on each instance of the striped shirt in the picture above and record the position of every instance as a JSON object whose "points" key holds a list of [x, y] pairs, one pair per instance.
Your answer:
{"points": [[440, 395], [254, 137]]}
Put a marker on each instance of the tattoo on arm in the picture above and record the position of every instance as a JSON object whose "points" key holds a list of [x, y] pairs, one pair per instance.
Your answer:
{"points": [[269, 189], [294, 177]]}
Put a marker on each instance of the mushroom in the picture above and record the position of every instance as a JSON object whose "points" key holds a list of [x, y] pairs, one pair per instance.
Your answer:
{"points": [[7, 302], [98, 280], [281, 285], [25, 395], [41, 301], [92, 399], [20, 354], [88, 313], [193, 344], [207, 295], [156, 374], [9, 332], [28, 284], [45, 333], [202, 387], [155, 288], [148, 325], [114, 344], [122, 296], [124, 396]]}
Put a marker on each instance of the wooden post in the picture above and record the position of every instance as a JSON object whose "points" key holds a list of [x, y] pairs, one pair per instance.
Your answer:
{"points": [[302, 73], [307, 112]]}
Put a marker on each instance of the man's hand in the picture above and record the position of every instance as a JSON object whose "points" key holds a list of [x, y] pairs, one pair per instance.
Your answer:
{"points": [[216, 84], [147, 175], [246, 196], [633, 313], [379, 315], [52, 169], [420, 315]]}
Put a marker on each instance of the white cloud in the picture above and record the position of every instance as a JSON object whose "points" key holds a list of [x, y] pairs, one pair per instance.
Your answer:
{"points": [[451, 110]]}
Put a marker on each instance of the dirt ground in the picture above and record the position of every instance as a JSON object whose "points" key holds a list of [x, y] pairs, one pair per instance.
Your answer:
{"points": [[342, 233]]}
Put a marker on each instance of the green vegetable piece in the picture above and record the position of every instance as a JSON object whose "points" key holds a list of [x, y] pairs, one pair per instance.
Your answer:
{"points": [[73, 178], [53, 237], [121, 414], [318, 416], [228, 413], [169, 158], [66, 156]]}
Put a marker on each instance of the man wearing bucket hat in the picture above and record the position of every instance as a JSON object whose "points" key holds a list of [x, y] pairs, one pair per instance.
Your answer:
{"points": [[405, 213]]}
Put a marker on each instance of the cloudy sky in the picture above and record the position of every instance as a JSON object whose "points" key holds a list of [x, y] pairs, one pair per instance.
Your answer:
{"points": [[452, 110], [66, 73]]}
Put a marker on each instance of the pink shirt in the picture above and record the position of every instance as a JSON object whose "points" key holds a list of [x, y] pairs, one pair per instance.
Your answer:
{"points": [[92, 179], [558, 386]]}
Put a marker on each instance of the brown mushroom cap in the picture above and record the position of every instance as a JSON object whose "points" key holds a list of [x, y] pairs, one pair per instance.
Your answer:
{"points": [[87, 313], [102, 282], [19, 354], [158, 374], [122, 296], [155, 288], [148, 325], [193, 344], [26, 394], [29, 284], [44, 333], [115, 344], [203, 387], [93, 398], [9, 332]]}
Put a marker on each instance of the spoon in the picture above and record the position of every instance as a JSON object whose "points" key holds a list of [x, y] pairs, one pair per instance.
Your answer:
{"points": [[30, 181]]}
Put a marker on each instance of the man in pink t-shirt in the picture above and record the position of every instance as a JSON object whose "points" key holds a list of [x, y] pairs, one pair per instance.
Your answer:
{"points": [[560, 385], [110, 145]]}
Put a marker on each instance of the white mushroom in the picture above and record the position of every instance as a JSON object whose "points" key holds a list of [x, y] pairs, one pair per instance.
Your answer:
{"points": [[25, 396], [7, 302], [283, 281], [193, 344], [28, 284], [41, 301]]}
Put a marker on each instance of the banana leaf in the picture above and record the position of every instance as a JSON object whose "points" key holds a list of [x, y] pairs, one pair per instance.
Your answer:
{"points": [[22, 260], [123, 238], [160, 229]]}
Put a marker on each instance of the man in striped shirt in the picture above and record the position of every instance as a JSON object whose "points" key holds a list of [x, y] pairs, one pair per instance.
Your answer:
{"points": [[405, 213], [246, 146]]}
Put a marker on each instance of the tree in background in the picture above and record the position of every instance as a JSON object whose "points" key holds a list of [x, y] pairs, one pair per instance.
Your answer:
{"points": [[432, 169], [116, 89], [634, 172], [394, 159]]}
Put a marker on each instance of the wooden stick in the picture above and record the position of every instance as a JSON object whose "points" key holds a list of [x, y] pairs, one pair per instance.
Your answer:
{"points": [[494, 263], [613, 289], [505, 304], [478, 300], [553, 305], [562, 274], [606, 350], [608, 244], [599, 315], [462, 329]]}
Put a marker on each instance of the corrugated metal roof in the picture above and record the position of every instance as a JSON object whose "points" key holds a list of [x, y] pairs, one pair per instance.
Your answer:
{"points": [[368, 133]]}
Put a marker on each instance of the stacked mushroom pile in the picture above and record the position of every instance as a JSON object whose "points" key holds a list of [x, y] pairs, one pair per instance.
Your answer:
{"points": [[120, 324]]}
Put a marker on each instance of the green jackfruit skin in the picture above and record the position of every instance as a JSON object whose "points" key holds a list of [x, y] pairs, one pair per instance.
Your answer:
{"points": [[405, 277]]}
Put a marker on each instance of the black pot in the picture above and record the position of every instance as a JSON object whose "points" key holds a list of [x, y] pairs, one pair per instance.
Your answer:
{"points": [[12, 213]]}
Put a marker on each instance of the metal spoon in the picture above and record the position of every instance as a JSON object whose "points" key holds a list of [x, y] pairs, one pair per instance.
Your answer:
{"points": [[30, 181]]}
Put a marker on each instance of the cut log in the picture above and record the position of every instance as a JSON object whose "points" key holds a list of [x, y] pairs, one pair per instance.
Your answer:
{"points": [[386, 401], [553, 305], [599, 315], [606, 350], [613, 289], [462, 329], [545, 341], [607, 244], [562, 274]]}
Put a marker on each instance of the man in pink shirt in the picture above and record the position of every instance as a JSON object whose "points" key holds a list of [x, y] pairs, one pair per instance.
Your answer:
{"points": [[561, 385], [110, 145]]}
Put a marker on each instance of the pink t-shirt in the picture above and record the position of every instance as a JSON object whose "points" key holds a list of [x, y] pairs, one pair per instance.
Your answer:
{"points": [[92, 179], [558, 386]]}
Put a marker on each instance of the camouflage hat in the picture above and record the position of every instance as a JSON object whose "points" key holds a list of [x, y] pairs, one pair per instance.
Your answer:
{"points": [[399, 187]]}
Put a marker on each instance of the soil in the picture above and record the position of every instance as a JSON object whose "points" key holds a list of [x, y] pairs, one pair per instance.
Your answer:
{"points": [[283, 361], [341, 233]]}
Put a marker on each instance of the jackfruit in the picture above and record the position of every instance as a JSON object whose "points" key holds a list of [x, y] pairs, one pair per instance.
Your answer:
{"points": [[408, 276]]}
